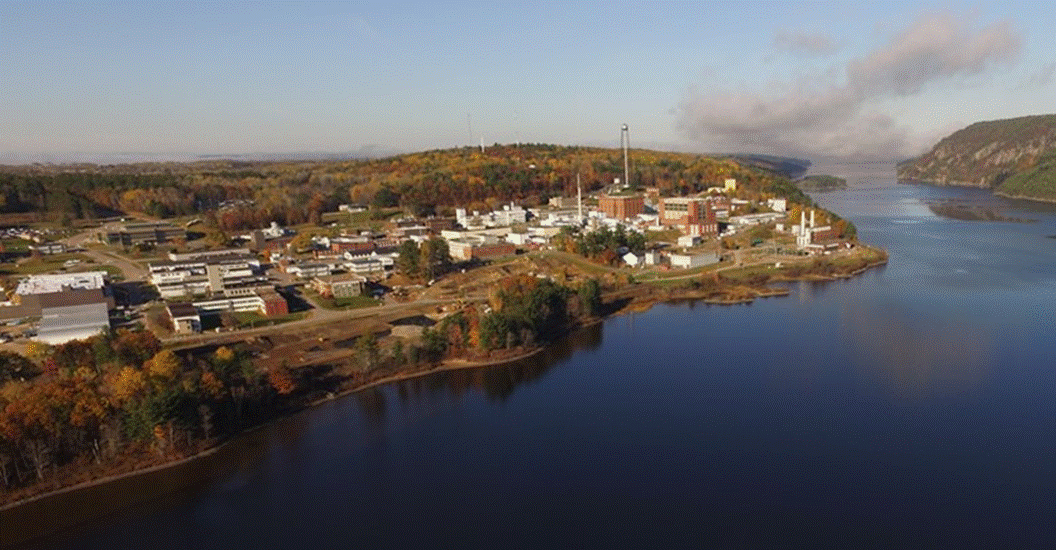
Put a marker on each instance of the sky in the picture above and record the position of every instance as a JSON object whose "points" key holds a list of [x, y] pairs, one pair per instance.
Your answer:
{"points": [[844, 79]]}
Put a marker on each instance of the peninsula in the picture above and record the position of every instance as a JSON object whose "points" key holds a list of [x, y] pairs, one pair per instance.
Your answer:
{"points": [[233, 292]]}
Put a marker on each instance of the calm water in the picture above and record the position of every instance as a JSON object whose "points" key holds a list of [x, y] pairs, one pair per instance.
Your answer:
{"points": [[912, 407]]}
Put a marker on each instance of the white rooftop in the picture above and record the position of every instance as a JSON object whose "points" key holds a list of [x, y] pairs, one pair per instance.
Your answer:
{"points": [[43, 284]]}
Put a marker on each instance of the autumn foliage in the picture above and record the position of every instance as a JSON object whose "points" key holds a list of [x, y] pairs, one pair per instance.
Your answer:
{"points": [[103, 396]]}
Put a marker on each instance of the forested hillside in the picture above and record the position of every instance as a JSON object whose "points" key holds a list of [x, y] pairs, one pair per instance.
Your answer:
{"points": [[1015, 157], [255, 193]]}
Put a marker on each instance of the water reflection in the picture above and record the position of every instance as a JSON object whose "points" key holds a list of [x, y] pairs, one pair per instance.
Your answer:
{"points": [[915, 355], [499, 382], [238, 462]]}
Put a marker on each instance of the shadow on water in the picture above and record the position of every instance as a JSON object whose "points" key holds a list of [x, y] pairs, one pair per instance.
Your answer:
{"points": [[499, 382], [61, 515]]}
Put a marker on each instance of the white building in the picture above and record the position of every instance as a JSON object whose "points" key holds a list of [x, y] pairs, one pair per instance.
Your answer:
{"points": [[689, 261], [688, 241], [374, 264], [229, 274], [519, 239], [756, 219], [310, 270], [46, 284]]}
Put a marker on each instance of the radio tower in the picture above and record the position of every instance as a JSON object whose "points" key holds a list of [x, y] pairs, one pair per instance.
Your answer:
{"points": [[625, 142]]}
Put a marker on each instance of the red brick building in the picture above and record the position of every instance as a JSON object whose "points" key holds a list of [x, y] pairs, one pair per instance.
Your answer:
{"points": [[273, 303], [621, 207], [694, 216]]}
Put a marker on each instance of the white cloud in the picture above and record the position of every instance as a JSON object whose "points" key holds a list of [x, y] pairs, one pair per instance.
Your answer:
{"points": [[830, 115]]}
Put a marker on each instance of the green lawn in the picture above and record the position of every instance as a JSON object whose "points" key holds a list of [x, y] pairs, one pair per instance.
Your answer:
{"points": [[355, 302], [252, 319], [56, 262]]}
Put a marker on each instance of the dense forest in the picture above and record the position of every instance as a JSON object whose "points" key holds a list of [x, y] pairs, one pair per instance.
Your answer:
{"points": [[236, 195]]}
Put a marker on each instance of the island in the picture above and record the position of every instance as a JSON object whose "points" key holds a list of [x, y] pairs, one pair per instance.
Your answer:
{"points": [[821, 183]]}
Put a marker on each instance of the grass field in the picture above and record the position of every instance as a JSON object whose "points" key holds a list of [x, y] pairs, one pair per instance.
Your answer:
{"points": [[355, 302]]}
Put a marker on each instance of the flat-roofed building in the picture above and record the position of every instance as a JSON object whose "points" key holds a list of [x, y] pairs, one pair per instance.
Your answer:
{"points": [[48, 249], [621, 207], [43, 284], [689, 261], [201, 255], [340, 286], [470, 248], [308, 270], [39, 291], [370, 265], [695, 216], [265, 302], [185, 317], [131, 234], [62, 324], [232, 274], [273, 304]]}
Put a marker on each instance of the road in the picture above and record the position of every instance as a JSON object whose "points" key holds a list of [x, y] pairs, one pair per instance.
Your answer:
{"points": [[318, 318], [131, 270]]}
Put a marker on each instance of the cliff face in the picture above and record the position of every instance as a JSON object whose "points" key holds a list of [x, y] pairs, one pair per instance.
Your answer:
{"points": [[1016, 156]]}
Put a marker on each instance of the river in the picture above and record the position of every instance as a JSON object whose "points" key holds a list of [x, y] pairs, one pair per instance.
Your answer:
{"points": [[911, 407]]}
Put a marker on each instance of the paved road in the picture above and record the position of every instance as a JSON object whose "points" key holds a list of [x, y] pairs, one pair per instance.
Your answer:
{"points": [[318, 317], [132, 271]]}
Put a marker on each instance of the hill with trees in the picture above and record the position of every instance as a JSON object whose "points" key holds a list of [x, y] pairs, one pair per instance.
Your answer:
{"points": [[235, 195], [1013, 157]]}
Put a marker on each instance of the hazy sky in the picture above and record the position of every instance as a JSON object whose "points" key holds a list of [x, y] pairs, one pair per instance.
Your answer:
{"points": [[848, 78]]}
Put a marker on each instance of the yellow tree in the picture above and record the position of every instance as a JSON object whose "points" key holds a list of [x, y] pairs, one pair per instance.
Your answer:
{"points": [[127, 383], [164, 366]]}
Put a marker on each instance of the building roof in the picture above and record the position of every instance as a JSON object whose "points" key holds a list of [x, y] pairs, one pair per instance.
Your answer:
{"points": [[218, 259], [182, 310], [342, 278], [75, 297], [41, 284], [140, 226], [59, 325], [270, 296]]}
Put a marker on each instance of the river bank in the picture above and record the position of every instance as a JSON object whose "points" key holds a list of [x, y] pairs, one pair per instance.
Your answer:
{"points": [[637, 298]]}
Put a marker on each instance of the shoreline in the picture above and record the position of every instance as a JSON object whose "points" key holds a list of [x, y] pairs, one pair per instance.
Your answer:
{"points": [[967, 185], [634, 306], [447, 366]]}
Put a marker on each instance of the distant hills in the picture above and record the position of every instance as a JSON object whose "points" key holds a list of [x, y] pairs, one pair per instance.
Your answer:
{"points": [[1015, 157]]}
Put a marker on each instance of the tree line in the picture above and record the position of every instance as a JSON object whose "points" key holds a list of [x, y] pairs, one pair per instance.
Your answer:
{"points": [[292, 193], [96, 399]]}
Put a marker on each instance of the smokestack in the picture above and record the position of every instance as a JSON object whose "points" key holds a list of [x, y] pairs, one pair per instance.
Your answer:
{"points": [[625, 141], [579, 198]]}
